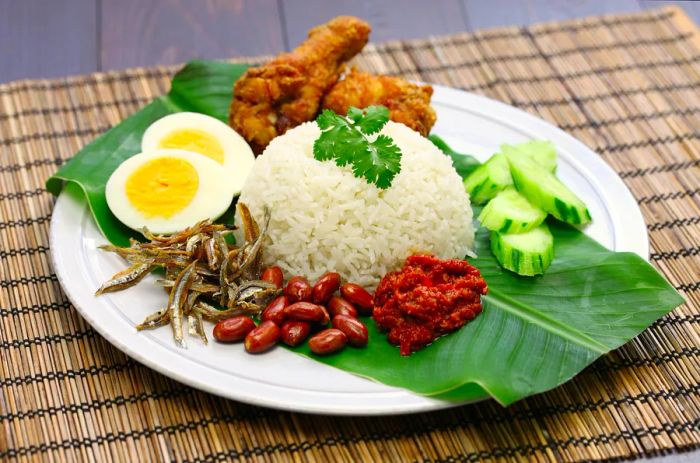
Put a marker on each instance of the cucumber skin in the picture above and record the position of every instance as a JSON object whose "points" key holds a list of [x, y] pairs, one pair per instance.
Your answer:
{"points": [[518, 261], [479, 187], [575, 212], [488, 179], [508, 226], [496, 220]]}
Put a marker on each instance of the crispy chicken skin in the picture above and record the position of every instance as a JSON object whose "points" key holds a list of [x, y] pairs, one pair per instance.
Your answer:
{"points": [[408, 103], [270, 99]]}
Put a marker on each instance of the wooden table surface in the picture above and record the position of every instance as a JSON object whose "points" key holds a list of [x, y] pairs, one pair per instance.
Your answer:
{"points": [[47, 38], [55, 38]]}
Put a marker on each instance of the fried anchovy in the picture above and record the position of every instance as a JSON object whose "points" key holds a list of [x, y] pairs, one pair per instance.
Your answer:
{"points": [[177, 300], [174, 238], [205, 226], [126, 278], [223, 279], [256, 266], [253, 233], [252, 289], [250, 227], [165, 261], [192, 297], [212, 257], [192, 242], [230, 297], [200, 287], [221, 243], [204, 271], [212, 314], [250, 255], [160, 318], [196, 327]]}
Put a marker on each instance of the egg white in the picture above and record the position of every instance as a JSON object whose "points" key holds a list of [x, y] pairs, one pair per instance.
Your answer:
{"points": [[238, 157], [210, 201]]}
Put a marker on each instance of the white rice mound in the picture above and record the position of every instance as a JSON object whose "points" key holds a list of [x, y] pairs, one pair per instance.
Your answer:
{"points": [[326, 219]]}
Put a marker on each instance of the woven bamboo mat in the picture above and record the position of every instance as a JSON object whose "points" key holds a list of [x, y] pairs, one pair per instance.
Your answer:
{"points": [[625, 85]]}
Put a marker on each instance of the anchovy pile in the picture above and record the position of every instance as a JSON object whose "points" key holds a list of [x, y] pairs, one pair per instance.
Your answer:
{"points": [[206, 277]]}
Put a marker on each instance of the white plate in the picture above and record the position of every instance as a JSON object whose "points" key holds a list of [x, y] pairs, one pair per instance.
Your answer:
{"points": [[281, 379]]}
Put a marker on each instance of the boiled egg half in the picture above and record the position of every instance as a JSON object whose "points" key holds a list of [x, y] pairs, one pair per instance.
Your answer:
{"points": [[206, 136], [167, 190]]}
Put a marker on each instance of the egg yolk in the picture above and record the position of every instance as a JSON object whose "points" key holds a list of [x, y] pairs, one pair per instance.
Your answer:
{"points": [[194, 140], [162, 187]]}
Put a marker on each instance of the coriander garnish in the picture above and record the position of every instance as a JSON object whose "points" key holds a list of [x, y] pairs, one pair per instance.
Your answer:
{"points": [[346, 140]]}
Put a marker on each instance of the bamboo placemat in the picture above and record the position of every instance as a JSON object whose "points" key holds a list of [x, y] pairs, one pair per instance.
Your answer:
{"points": [[625, 85]]}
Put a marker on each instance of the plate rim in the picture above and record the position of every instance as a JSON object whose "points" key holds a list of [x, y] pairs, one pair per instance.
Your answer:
{"points": [[415, 403]]}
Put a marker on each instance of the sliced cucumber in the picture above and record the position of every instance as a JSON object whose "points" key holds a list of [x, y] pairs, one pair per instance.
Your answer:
{"points": [[510, 212], [528, 253], [545, 191], [542, 152], [488, 179]]}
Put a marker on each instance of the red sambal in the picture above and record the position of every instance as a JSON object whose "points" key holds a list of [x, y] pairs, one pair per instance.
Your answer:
{"points": [[427, 298]]}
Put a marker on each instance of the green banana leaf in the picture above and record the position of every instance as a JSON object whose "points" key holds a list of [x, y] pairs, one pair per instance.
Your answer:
{"points": [[534, 333]]}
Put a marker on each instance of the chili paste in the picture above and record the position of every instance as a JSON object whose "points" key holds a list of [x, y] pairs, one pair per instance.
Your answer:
{"points": [[427, 298]]}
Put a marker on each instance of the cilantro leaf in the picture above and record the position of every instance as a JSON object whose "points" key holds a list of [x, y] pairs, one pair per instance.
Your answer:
{"points": [[330, 142], [345, 140], [355, 114], [328, 119], [380, 163], [375, 117], [352, 146]]}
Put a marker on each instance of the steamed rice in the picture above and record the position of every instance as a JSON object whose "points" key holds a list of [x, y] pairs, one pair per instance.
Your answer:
{"points": [[326, 219]]}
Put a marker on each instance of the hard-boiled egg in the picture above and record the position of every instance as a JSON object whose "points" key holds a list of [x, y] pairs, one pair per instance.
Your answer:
{"points": [[167, 190], [207, 136]]}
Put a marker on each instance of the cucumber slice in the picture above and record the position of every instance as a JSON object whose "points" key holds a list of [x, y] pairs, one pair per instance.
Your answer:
{"points": [[545, 191], [540, 151], [510, 212], [528, 253], [488, 179]]}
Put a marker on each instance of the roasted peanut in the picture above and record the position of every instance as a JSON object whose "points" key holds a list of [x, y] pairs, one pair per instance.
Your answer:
{"points": [[233, 329], [339, 306], [306, 312], [262, 337], [294, 332], [324, 287], [355, 331], [358, 296], [327, 341], [326, 317], [273, 275], [298, 289], [275, 310]]}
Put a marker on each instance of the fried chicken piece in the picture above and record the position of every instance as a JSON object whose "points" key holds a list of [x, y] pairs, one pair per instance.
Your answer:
{"points": [[270, 99], [408, 103]]}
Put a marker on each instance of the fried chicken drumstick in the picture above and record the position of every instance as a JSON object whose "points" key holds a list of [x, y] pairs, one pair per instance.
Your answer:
{"points": [[272, 98], [408, 103]]}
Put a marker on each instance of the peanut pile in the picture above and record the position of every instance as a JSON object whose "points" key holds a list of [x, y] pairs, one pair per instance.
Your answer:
{"points": [[301, 310]]}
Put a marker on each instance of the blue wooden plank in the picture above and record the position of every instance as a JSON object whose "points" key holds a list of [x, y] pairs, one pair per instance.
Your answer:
{"points": [[389, 19], [691, 8], [494, 13], [47, 39], [153, 32]]}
